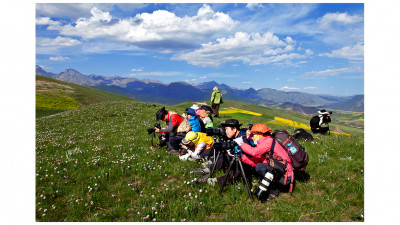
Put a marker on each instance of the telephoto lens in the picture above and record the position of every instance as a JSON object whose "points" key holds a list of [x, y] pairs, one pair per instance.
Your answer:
{"points": [[266, 181]]}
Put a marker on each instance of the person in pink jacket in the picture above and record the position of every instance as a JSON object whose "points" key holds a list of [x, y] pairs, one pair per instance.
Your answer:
{"points": [[271, 161]]}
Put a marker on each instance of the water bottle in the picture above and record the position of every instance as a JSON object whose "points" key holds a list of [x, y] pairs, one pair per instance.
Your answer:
{"points": [[292, 149]]}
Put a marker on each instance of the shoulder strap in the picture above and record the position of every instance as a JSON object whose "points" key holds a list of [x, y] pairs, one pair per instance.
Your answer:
{"points": [[271, 151]]}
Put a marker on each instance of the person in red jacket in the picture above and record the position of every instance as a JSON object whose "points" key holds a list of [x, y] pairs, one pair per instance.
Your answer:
{"points": [[271, 161], [176, 129]]}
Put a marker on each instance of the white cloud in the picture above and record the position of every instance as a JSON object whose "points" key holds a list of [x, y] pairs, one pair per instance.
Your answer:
{"points": [[203, 77], [253, 6], [158, 30], [137, 70], [330, 19], [46, 21], [334, 72], [247, 82], [57, 42], [355, 52], [252, 49], [58, 58], [310, 87], [286, 88]]}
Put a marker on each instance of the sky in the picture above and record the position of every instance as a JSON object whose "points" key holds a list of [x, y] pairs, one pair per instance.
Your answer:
{"points": [[305, 47]]}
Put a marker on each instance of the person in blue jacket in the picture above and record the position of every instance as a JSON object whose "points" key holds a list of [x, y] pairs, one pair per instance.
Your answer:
{"points": [[193, 120]]}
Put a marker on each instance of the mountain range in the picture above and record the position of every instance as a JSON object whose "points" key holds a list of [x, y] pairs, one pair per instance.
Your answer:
{"points": [[154, 91]]}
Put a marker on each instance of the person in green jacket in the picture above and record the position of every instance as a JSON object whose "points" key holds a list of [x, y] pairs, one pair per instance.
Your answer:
{"points": [[216, 100]]}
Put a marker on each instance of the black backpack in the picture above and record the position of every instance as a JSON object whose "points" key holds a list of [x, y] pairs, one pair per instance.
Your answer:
{"points": [[302, 134], [296, 152], [314, 122]]}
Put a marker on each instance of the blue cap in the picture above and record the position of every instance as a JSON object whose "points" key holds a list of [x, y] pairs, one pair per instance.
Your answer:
{"points": [[191, 112]]}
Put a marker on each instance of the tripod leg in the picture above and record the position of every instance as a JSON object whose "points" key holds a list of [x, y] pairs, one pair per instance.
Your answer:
{"points": [[215, 163], [245, 180], [226, 176]]}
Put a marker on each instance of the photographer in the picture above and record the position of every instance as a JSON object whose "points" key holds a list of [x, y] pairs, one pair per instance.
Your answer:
{"points": [[272, 163], [176, 129], [199, 145], [231, 130], [317, 122]]}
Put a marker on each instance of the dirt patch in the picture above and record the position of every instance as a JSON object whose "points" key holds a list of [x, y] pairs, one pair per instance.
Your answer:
{"points": [[217, 216]]}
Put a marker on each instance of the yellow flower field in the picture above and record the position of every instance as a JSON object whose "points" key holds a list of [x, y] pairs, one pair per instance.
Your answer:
{"points": [[235, 110]]}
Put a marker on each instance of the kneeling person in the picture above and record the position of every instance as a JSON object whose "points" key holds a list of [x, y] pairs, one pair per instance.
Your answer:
{"points": [[199, 145]]}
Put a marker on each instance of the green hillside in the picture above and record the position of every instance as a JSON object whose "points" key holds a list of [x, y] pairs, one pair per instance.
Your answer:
{"points": [[342, 121], [94, 164], [54, 96]]}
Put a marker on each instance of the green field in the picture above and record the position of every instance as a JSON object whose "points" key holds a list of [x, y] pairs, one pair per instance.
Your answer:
{"points": [[54, 96], [94, 164]]}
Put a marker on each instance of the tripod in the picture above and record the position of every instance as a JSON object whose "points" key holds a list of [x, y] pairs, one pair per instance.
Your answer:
{"points": [[236, 159]]}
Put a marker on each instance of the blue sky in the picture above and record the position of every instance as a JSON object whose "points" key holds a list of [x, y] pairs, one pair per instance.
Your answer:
{"points": [[313, 48]]}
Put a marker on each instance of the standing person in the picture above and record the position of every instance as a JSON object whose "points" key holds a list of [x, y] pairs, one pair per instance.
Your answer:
{"points": [[176, 129], [216, 100]]}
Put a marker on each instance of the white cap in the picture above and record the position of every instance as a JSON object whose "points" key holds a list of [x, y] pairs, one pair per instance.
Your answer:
{"points": [[195, 107]]}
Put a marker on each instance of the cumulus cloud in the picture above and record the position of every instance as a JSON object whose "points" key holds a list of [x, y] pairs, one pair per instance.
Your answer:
{"points": [[334, 72], [355, 52], [57, 42], [252, 49], [158, 30], [330, 19], [46, 21], [58, 58]]}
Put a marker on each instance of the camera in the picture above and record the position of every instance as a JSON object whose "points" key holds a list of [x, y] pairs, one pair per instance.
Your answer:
{"points": [[153, 129], [227, 145], [220, 132]]}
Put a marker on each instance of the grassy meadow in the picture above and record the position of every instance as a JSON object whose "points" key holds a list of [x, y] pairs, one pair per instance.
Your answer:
{"points": [[93, 163], [54, 96]]}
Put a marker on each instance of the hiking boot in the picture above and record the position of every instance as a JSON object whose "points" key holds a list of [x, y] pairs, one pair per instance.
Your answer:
{"points": [[198, 171], [200, 180], [154, 147], [274, 194], [173, 152]]}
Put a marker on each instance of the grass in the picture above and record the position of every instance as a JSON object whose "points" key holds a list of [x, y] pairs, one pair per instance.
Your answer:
{"points": [[54, 96], [94, 164]]}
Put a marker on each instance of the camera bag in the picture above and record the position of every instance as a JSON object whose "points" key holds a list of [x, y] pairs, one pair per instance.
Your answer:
{"points": [[296, 152]]}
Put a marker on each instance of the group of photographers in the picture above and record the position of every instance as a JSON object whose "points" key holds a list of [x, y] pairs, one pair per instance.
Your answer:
{"points": [[191, 136], [260, 156]]}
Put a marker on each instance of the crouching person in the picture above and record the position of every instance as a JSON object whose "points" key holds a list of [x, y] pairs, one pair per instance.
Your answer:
{"points": [[271, 161], [198, 145], [176, 129]]}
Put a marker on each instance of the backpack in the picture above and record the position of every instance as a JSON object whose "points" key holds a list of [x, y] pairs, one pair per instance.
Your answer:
{"points": [[303, 134], [296, 152], [314, 122]]}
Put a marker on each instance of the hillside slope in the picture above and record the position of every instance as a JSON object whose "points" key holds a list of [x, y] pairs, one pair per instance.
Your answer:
{"points": [[53, 96]]}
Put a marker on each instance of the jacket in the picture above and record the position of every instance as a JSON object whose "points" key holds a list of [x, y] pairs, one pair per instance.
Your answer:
{"points": [[260, 154], [195, 124], [176, 124], [216, 97], [202, 144]]}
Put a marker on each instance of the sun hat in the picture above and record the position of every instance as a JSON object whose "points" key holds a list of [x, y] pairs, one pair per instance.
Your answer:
{"points": [[190, 137], [260, 127], [231, 123]]}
